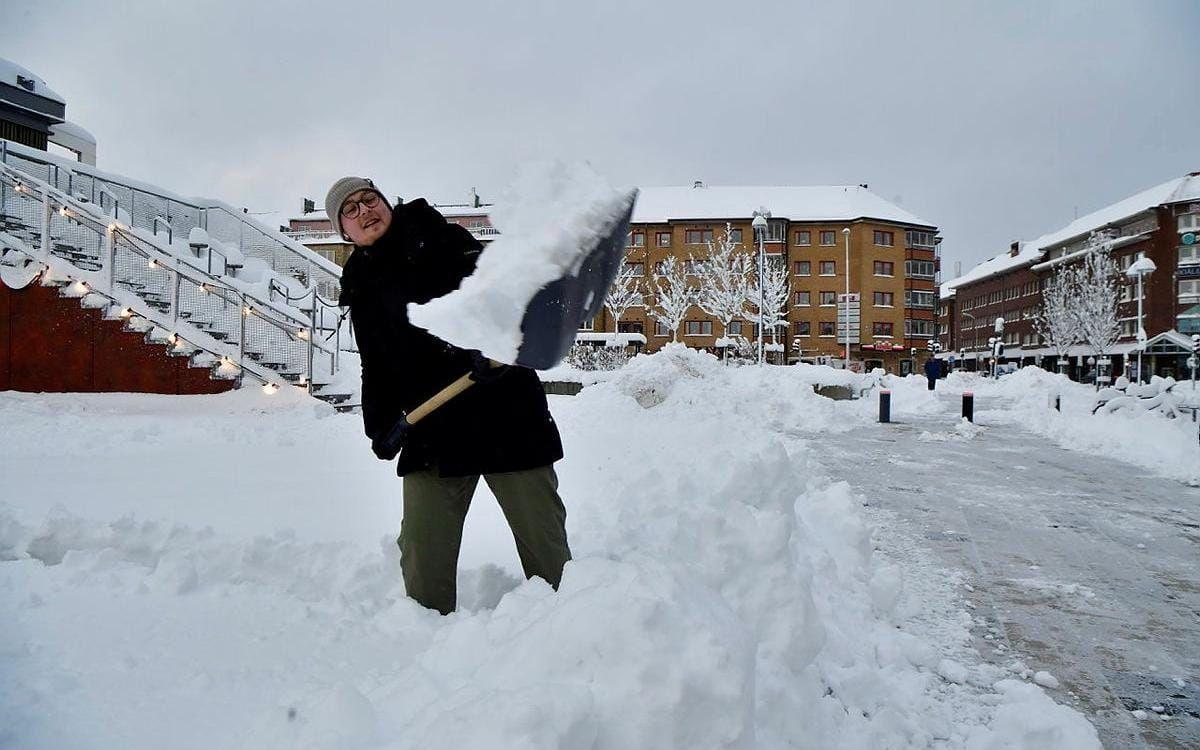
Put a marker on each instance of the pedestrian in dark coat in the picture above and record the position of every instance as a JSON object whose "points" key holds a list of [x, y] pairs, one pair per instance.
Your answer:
{"points": [[500, 428], [933, 370]]}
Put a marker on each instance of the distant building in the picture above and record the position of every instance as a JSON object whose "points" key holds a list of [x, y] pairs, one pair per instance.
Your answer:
{"points": [[1161, 223], [314, 230], [892, 270], [34, 115]]}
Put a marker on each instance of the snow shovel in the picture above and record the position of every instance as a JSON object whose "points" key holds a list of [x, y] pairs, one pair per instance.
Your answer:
{"points": [[551, 319]]}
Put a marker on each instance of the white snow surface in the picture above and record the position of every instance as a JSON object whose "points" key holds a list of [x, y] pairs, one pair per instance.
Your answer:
{"points": [[220, 571], [1167, 447], [657, 205], [9, 71], [551, 213]]}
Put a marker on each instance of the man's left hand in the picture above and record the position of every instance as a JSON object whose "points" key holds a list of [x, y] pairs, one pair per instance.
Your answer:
{"points": [[484, 370]]}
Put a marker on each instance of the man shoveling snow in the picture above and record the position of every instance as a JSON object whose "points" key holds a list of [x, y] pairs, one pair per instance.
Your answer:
{"points": [[500, 428]]}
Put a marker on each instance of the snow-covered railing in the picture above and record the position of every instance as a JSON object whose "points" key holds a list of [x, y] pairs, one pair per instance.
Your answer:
{"points": [[140, 204], [173, 287]]}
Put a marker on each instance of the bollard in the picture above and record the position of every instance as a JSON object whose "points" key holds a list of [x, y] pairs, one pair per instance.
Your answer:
{"points": [[885, 405], [968, 406]]}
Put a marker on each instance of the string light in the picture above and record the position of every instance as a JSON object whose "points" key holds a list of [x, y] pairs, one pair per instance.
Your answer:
{"points": [[125, 313], [269, 388], [152, 263], [246, 310], [302, 334]]}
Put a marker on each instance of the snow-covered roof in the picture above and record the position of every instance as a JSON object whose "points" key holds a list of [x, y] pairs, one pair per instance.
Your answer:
{"points": [[9, 71], [795, 203], [452, 210], [1177, 190], [73, 131]]}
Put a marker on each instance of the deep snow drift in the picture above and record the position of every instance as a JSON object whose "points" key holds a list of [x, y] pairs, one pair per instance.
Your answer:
{"points": [[722, 595]]}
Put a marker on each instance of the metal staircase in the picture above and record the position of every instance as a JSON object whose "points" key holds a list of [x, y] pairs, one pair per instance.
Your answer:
{"points": [[193, 296]]}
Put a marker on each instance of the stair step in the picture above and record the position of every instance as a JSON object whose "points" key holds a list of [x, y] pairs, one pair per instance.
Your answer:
{"points": [[94, 301]]}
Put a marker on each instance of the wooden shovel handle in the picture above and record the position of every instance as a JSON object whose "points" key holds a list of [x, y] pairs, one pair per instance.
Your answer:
{"points": [[439, 399]]}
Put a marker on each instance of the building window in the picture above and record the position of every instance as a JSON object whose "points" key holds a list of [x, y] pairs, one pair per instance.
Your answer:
{"points": [[637, 269], [662, 239], [884, 239], [735, 236], [917, 298], [885, 268], [803, 299], [660, 329], [917, 238], [775, 231], [881, 329], [828, 268], [633, 326], [919, 328], [828, 299], [884, 299], [1189, 223], [637, 239], [803, 237], [697, 328], [697, 236], [735, 328], [826, 327], [920, 269], [1189, 254], [1189, 289], [588, 325], [802, 328], [827, 238], [803, 268]]}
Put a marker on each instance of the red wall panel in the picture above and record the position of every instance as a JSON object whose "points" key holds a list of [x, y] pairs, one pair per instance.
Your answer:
{"points": [[49, 343]]}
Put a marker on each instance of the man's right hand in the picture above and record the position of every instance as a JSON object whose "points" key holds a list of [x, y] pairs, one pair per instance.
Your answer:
{"points": [[388, 445]]}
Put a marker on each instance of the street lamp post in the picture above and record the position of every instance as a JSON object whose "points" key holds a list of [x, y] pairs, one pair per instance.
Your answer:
{"points": [[1140, 269], [760, 230], [846, 237], [974, 337], [998, 346]]}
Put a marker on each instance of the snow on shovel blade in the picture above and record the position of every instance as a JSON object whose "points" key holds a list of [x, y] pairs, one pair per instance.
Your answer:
{"points": [[560, 247], [553, 316]]}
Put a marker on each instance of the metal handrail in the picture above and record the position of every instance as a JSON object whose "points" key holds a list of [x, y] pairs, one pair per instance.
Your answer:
{"points": [[313, 261], [81, 214]]}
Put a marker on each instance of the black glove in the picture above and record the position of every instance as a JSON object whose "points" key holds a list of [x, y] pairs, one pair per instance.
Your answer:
{"points": [[483, 370], [387, 445]]}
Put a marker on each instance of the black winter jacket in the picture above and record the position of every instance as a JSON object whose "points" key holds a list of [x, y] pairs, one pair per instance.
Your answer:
{"points": [[500, 426]]}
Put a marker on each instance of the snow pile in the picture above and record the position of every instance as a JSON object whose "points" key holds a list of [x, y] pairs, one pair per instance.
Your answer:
{"points": [[551, 213], [721, 595], [1026, 397]]}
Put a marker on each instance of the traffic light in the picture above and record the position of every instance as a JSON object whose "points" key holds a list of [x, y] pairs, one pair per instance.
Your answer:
{"points": [[309, 206], [1196, 344]]}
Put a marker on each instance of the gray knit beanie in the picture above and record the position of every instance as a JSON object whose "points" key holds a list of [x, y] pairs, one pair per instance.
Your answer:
{"points": [[341, 190]]}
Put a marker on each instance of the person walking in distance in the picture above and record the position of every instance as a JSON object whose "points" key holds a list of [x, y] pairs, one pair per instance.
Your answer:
{"points": [[500, 429]]}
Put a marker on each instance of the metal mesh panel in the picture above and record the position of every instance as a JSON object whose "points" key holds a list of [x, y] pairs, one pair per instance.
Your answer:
{"points": [[79, 242], [276, 347], [132, 272], [20, 214], [217, 312]]}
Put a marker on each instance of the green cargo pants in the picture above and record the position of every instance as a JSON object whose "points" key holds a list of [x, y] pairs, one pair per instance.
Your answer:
{"points": [[435, 509]]}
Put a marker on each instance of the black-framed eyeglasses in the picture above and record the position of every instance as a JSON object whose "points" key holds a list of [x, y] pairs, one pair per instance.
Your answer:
{"points": [[352, 208]]}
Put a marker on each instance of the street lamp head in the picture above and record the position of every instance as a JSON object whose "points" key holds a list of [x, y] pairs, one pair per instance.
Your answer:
{"points": [[759, 223], [846, 231], [1143, 266]]}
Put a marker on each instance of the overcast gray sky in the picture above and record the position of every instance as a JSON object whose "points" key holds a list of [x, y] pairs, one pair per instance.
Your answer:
{"points": [[994, 121]]}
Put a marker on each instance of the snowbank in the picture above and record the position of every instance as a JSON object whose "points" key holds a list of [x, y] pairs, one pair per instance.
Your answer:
{"points": [[721, 595], [1026, 397], [549, 213]]}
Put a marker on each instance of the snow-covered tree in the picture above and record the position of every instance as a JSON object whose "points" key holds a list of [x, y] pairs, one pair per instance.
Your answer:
{"points": [[725, 277], [1056, 320], [775, 292], [671, 293], [624, 293], [1098, 292]]}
